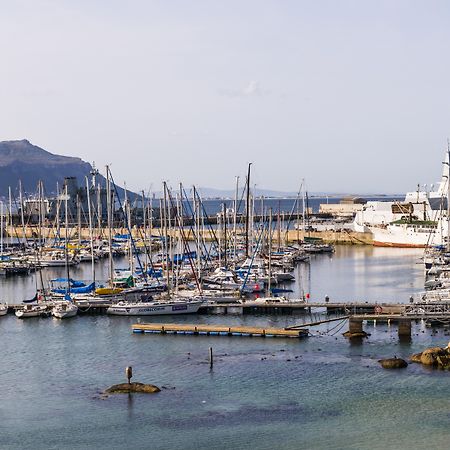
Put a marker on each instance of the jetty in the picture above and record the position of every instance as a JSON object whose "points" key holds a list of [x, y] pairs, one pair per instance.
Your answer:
{"points": [[216, 330]]}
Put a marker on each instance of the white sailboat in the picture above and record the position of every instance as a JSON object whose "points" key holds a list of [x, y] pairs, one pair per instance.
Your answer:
{"points": [[64, 310], [31, 311], [155, 308], [3, 309]]}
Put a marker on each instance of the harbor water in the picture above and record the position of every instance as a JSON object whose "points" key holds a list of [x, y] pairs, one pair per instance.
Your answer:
{"points": [[320, 392]]}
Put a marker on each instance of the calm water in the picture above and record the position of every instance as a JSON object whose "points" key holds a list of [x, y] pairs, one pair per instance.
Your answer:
{"points": [[282, 205], [321, 392]]}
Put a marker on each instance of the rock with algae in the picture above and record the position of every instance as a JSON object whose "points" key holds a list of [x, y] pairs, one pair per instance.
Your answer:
{"points": [[126, 388], [393, 363]]}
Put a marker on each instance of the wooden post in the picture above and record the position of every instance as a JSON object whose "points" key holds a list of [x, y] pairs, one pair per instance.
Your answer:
{"points": [[211, 362]]}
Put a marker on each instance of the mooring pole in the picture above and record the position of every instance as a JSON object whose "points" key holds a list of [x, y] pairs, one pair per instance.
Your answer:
{"points": [[211, 362]]}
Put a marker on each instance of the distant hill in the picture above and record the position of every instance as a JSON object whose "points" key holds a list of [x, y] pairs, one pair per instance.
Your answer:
{"points": [[21, 160]]}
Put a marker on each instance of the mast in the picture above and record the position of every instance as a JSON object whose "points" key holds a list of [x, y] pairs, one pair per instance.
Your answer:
{"points": [[79, 219], [144, 220], [270, 250], [247, 212], [303, 209], [166, 247], [58, 205], [66, 235], [91, 237], [197, 229], [10, 216], [1, 227], [225, 233], [40, 213], [219, 236], [99, 209], [22, 218], [235, 220], [110, 224], [448, 195]]}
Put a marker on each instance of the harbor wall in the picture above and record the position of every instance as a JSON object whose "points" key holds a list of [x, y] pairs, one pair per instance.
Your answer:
{"points": [[291, 236]]}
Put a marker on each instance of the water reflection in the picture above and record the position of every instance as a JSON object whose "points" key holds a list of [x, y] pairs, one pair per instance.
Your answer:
{"points": [[352, 273]]}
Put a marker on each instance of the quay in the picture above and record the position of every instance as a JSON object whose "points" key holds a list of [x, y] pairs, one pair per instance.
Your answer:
{"points": [[216, 330], [269, 307]]}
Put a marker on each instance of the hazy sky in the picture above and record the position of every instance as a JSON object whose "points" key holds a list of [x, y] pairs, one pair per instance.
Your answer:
{"points": [[351, 95]]}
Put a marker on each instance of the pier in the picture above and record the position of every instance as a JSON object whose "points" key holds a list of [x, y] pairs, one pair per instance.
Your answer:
{"points": [[216, 330]]}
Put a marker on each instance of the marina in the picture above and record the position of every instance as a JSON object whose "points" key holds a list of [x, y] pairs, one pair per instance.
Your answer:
{"points": [[225, 225]]}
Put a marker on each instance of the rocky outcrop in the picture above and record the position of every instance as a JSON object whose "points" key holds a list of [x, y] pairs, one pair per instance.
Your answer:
{"points": [[393, 363], [127, 388], [434, 356]]}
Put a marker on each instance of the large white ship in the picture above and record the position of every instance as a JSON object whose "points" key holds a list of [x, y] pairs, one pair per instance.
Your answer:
{"points": [[418, 221]]}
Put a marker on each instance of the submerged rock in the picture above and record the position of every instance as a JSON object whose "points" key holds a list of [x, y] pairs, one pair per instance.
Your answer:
{"points": [[393, 363], [126, 388]]}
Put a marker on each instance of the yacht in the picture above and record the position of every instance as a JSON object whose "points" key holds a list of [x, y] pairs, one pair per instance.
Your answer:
{"points": [[155, 308]]}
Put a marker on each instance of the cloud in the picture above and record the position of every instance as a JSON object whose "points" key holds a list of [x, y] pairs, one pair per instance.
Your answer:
{"points": [[251, 89]]}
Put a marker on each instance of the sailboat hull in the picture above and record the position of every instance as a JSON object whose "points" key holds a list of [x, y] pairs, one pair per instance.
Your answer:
{"points": [[154, 309]]}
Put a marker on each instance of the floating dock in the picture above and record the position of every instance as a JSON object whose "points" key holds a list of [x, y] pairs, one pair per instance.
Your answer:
{"points": [[216, 330]]}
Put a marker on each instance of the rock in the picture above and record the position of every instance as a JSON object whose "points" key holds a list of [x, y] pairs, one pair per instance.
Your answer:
{"points": [[433, 356], [361, 334], [393, 363], [126, 388], [416, 358]]}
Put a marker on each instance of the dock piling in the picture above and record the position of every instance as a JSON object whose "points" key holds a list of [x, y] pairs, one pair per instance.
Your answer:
{"points": [[211, 363]]}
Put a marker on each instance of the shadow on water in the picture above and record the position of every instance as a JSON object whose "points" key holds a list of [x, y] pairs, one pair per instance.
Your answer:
{"points": [[291, 412], [405, 341]]}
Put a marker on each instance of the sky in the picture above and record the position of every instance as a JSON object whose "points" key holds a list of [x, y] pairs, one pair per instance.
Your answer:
{"points": [[352, 96]]}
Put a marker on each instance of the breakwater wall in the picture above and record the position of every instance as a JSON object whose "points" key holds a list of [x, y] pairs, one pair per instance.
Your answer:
{"points": [[285, 237]]}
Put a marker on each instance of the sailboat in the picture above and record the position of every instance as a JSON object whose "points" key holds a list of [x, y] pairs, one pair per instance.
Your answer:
{"points": [[155, 308], [3, 309], [64, 309]]}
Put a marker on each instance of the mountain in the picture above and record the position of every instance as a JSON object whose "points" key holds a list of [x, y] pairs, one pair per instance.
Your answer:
{"points": [[21, 160]]}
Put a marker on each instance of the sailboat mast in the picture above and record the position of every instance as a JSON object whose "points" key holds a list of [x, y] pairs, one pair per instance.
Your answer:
{"points": [[448, 195], [166, 237], [225, 233], [235, 220], [247, 213], [270, 251], [110, 224], [1, 227], [66, 236], [22, 218], [91, 237]]}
